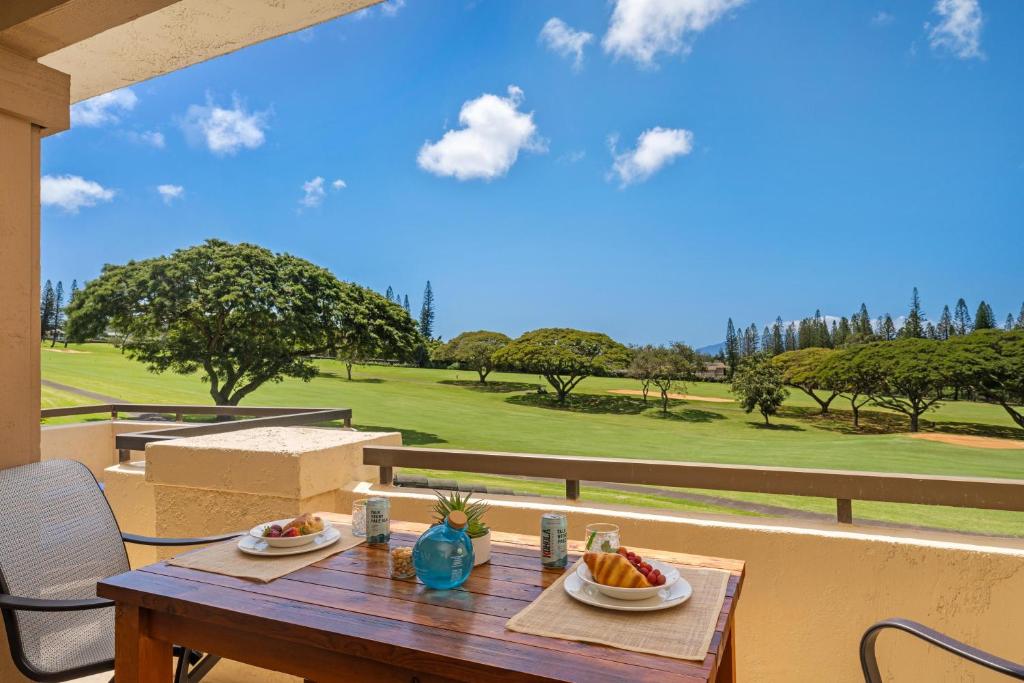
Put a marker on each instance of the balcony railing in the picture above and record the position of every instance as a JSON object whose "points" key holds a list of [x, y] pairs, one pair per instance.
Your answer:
{"points": [[258, 416], [842, 485]]}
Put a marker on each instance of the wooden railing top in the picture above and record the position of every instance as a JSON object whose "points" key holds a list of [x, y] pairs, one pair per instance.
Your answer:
{"points": [[842, 485]]}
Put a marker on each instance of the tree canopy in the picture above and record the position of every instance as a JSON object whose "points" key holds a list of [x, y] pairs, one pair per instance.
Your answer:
{"points": [[564, 356], [373, 326], [239, 313], [802, 369], [995, 363], [473, 350], [912, 374]]}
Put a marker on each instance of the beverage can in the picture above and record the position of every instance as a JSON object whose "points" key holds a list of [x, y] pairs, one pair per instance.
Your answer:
{"points": [[554, 538], [378, 521]]}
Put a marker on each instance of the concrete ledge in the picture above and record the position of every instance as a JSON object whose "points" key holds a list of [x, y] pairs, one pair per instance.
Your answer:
{"points": [[288, 462]]}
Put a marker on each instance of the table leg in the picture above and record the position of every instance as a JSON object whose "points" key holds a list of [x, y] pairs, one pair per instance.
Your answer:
{"points": [[727, 663], [138, 658]]}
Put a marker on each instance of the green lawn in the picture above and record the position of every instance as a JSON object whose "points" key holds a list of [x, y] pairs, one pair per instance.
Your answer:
{"points": [[445, 408]]}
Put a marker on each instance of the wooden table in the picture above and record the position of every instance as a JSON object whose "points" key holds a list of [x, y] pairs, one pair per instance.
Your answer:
{"points": [[344, 619]]}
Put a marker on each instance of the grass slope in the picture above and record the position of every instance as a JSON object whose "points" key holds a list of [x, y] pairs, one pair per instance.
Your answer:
{"points": [[445, 408]]}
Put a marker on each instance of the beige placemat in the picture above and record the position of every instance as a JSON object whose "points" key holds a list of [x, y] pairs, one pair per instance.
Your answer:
{"points": [[682, 632], [225, 558]]}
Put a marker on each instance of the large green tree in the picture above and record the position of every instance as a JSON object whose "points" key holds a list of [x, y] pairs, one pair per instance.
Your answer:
{"points": [[473, 350], [857, 381], [802, 369], [373, 326], [239, 313], [758, 385], [984, 318], [563, 356], [914, 324], [912, 374], [994, 362], [671, 367]]}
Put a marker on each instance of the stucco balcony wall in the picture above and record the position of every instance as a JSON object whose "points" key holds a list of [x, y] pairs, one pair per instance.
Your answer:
{"points": [[92, 443]]}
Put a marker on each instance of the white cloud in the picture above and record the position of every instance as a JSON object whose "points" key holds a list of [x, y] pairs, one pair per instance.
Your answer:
{"points": [[104, 109], [170, 192], [882, 18], [391, 7], [655, 148], [565, 40], [959, 31], [225, 131], [306, 35], [493, 133], [572, 157], [339, 184], [153, 138], [640, 29], [313, 193], [72, 192]]}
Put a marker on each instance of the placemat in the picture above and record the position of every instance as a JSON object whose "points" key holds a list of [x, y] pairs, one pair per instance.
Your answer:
{"points": [[682, 632], [225, 558]]}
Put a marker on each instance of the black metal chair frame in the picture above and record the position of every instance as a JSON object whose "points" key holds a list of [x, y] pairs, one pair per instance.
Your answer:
{"points": [[192, 666], [869, 663]]}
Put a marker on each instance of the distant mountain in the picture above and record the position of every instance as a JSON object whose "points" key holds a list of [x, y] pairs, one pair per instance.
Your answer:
{"points": [[712, 349]]}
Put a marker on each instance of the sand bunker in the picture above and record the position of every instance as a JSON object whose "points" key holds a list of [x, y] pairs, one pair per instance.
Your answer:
{"points": [[682, 397], [972, 441], [56, 350]]}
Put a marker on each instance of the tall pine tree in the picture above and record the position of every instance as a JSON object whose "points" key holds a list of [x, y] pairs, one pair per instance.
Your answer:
{"points": [[792, 343], [779, 345], [1009, 322], [914, 326], [58, 313], [405, 305], [888, 328], [427, 313], [46, 304], [389, 294], [732, 348], [984, 318], [961, 318], [944, 330], [1020, 319], [71, 297]]}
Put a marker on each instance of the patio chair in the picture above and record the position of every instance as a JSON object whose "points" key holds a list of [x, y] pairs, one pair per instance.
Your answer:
{"points": [[58, 538], [869, 665]]}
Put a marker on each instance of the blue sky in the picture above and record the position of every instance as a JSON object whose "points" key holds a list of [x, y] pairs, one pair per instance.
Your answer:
{"points": [[701, 160]]}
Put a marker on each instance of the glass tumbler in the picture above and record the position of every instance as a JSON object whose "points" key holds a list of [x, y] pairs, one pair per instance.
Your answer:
{"points": [[359, 517], [602, 537]]}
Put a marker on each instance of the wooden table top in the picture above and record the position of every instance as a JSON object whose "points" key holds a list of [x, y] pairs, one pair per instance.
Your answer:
{"points": [[348, 604]]}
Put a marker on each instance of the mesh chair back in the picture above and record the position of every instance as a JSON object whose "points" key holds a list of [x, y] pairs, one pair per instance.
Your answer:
{"points": [[58, 537]]}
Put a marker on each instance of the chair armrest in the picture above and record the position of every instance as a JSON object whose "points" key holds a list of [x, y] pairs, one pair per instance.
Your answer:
{"points": [[869, 664], [41, 605], [149, 540]]}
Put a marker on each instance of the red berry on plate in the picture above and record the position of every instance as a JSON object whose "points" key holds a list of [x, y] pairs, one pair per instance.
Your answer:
{"points": [[276, 527], [291, 533], [644, 565], [659, 580], [623, 552]]}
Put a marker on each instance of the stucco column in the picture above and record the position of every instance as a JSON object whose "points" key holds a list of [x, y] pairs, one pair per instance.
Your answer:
{"points": [[34, 101]]}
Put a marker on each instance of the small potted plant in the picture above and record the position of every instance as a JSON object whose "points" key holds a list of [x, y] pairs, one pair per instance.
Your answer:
{"points": [[476, 529]]}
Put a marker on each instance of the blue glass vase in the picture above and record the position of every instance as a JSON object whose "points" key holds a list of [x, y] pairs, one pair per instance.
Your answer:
{"points": [[443, 555]]}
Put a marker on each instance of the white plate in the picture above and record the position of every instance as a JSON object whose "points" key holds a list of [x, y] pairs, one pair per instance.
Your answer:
{"points": [[670, 572], [284, 541], [677, 594], [258, 546]]}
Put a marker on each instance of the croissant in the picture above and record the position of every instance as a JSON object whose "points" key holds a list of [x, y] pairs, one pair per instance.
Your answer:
{"points": [[612, 569]]}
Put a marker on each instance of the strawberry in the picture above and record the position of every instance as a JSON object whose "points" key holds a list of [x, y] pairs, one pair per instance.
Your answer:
{"points": [[291, 533]]}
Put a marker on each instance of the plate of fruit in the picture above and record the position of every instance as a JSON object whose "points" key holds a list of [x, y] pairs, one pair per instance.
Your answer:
{"points": [[625, 577], [289, 533]]}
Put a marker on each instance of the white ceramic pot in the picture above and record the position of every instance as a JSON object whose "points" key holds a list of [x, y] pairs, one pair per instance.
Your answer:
{"points": [[481, 549]]}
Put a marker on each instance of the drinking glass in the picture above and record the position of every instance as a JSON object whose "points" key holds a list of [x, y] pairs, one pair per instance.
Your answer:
{"points": [[359, 517], [602, 537]]}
